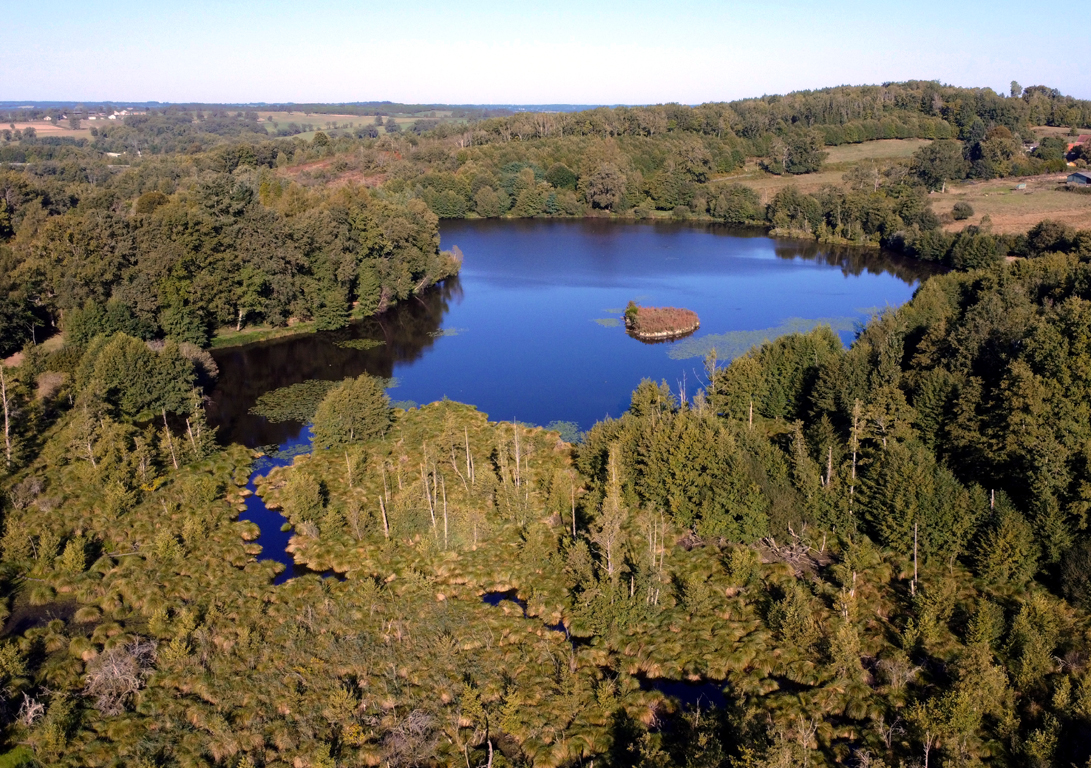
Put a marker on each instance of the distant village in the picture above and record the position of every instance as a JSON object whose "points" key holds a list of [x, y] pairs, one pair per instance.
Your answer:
{"points": [[102, 115]]}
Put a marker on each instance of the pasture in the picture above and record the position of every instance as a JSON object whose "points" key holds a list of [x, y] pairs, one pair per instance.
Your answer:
{"points": [[1014, 210], [840, 160]]}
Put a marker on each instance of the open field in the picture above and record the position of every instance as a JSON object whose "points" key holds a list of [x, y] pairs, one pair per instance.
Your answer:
{"points": [[1041, 131], [1013, 210], [883, 149], [47, 128], [841, 159], [322, 122]]}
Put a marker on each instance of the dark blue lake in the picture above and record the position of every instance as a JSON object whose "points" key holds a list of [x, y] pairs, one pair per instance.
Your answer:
{"points": [[531, 329]]}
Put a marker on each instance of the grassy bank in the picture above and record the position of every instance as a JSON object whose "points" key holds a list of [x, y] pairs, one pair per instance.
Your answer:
{"points": [[229, 337]]}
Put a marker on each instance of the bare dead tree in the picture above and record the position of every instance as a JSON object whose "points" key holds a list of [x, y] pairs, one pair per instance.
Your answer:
{"points": [[170, 441], [30, 711], [115, 675], [7, 414], [411, 741]]}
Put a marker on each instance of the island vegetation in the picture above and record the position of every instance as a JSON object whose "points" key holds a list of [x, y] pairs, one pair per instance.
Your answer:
{"points": [[868, 556], [651, 323]]}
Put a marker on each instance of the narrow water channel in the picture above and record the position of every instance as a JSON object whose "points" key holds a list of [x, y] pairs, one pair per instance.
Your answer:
{"points": [[274, 531]]}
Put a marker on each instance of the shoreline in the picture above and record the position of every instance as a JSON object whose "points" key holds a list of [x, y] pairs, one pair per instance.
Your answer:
{"points": [[660, 335], [237, 339]]}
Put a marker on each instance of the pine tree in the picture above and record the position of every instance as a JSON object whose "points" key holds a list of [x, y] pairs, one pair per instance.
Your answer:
{"points": [[607, 531]]}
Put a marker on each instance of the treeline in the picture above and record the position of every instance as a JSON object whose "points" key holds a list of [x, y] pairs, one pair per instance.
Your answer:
{"points": [[848, 114], [872, 555], [90, 251]]}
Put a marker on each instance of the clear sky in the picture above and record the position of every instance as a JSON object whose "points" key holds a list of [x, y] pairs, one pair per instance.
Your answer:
{"points": [[583, 52]]}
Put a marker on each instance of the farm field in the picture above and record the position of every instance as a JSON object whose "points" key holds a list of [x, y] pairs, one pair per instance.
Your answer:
{"points": [[47, 128], [1012, 210]]}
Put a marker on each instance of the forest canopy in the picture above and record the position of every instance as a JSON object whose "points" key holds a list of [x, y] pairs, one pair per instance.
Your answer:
{"points": [[871, 556]]}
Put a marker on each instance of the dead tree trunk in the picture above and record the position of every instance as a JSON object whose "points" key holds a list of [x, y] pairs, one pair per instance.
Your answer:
{"points": [[7, 414], [170, 440]]}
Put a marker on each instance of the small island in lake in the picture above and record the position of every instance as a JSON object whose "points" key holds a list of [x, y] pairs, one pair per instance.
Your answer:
{"points": [[655, 323]]}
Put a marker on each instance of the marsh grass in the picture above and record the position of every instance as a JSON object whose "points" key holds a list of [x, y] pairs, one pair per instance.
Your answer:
{"points": [[229, 337]]}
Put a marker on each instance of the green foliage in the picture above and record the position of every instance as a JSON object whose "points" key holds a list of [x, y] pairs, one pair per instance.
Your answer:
{"points": [[962, 211], [938, 163], [135, 380], [356, 410], [561, 176], [736, 204], [758, 538], [82, 325]]}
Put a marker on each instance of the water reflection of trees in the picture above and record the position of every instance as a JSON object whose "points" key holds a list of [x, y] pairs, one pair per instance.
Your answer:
{"points": [[407, 330], [854, 261]]}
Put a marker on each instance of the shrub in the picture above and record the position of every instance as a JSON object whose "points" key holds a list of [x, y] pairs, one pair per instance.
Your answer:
{"points": [[354, 411], [962, 211]]}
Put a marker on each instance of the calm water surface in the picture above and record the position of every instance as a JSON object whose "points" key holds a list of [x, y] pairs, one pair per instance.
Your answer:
{"points": [[516, 334]]}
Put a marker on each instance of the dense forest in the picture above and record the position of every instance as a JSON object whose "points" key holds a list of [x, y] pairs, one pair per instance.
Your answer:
{"points": [[191, 220], [872, 556], [222, 249]]}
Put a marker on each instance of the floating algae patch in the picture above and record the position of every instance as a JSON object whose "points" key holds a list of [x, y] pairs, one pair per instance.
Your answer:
{"points": [[360, 343], [616, 311], [298, 402], [447, 332], [608, 322], [734, 344]]}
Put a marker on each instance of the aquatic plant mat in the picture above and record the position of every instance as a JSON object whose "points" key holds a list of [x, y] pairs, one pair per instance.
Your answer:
{"points": [[734, 344], [360, 344], [298, 402], [447, 332]]}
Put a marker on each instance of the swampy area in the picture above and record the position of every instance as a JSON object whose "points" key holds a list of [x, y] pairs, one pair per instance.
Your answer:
{"points": [[838, 525]]}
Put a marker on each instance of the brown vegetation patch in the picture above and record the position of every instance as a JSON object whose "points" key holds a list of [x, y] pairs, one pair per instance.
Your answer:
{"points": [[321, 170], [48, 384], [661, 322]]}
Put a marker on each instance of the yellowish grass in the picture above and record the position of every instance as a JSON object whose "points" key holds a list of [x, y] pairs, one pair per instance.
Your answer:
{"points": [[48, 128], [1012, 210]]}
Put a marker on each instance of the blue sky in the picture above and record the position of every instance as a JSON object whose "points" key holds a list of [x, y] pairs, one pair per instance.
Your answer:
{"points": [[490, 52]]}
